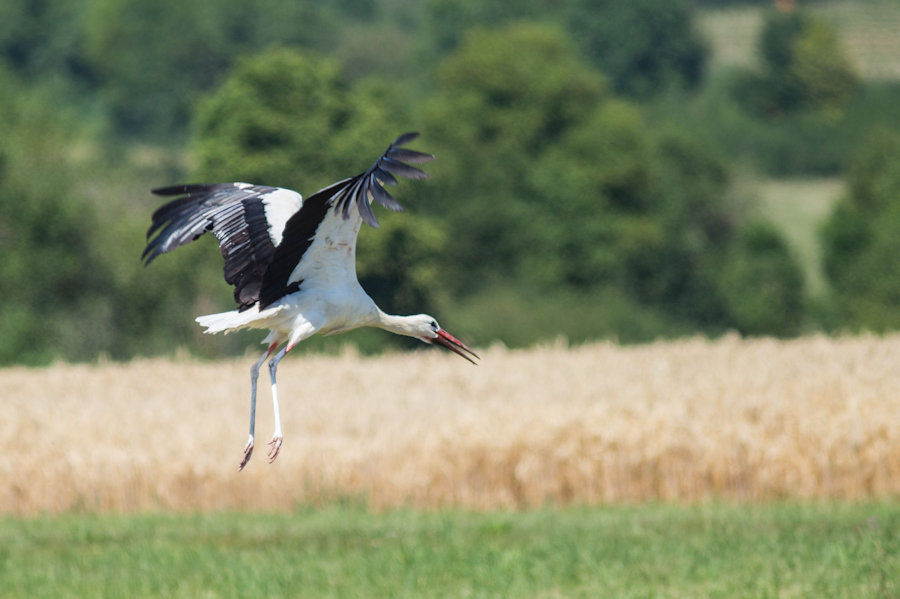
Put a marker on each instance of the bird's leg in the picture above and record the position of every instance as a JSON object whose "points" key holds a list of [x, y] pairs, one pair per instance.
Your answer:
{"points": [[275, 443], [254, 374]]}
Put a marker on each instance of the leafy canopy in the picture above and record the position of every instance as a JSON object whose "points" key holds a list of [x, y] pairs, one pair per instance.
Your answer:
{"points": [[861, 242], [553, 184]]}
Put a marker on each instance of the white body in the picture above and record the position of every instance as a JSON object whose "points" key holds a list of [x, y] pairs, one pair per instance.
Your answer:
{"points": [[330, 299]]}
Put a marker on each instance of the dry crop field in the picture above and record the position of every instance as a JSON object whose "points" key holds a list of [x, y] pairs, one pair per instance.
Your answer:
{"points": [[691, 420]]}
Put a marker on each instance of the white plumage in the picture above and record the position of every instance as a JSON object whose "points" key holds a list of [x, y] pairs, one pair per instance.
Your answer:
{"points": [[279, 206]]}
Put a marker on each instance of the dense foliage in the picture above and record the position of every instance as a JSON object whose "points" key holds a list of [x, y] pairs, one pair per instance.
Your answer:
{"points": [[567, 187], [584, 180], [803, 110], [51, 276], [645, 46], [803, 66], [862, 241]]}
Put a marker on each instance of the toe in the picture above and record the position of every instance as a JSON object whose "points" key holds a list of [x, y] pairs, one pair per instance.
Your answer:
{"points": [[274, 448], [248, 451]]}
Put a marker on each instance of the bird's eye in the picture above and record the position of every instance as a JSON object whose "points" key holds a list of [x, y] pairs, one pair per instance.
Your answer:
{"points": [[434, 325]]}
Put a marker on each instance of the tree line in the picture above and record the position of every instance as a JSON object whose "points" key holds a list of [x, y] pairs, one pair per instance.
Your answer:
{"points": [[585, 182]]}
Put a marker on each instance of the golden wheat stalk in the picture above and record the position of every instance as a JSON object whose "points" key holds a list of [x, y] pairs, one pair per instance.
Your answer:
{"points": [[691, 420]]}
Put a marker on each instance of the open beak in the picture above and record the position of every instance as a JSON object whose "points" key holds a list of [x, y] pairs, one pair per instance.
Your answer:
{"points": [[455, 345]]}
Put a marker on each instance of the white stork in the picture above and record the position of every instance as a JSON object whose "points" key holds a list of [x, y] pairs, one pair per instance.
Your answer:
{"points": [[292, 262]]}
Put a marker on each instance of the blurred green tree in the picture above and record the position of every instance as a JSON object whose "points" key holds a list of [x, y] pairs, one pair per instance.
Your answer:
{"points": [[762, 283], [153, 57], [804, 67], [552, 184], [272, 121], [643, 46], [446, 22], [70, 274], [52, 275], [861, 240], [43, 40], [822, 68], [503, 98], [803, 111]]}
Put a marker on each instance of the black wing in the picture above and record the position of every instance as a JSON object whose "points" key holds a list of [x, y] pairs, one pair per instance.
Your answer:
{"points": [[300, 230], [247, 220]]}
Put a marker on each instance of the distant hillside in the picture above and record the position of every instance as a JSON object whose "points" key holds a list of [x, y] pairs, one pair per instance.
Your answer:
{"points": [[869, 29]]}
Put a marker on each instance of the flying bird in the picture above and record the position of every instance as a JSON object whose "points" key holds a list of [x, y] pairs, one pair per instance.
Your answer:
{"points": [[292, 262]]}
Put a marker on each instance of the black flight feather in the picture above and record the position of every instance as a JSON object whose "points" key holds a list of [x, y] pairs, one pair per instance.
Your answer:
{"points": [[234, 213]]}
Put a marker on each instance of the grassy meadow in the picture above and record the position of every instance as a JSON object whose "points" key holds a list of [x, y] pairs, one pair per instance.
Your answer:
{"points": [[799, 207], [715, 550]]}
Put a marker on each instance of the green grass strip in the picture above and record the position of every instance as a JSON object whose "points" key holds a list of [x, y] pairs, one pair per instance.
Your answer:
{"points": [[784, 550]]}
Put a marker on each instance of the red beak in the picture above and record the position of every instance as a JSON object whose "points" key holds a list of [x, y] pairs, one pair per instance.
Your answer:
{"points": [[455, 345]]}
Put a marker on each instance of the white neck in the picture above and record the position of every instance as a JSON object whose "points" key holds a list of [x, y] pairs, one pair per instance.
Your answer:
{"points": [[400, 325]]}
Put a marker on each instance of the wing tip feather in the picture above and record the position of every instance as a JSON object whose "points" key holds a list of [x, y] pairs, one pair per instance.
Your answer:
{"points": [[405, 138]]}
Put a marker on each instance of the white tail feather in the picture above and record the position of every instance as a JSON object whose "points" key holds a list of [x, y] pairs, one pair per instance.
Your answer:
{"points": [[234, 320], [217, 323]]}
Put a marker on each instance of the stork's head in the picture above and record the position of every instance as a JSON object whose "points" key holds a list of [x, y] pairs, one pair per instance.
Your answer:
{"points": [[426, 328]]}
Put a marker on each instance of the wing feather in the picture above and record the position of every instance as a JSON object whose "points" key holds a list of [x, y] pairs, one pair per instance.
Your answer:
{"points": [[336, 202], [404, 155], [380, 195], [245, 219], [402, 169]]}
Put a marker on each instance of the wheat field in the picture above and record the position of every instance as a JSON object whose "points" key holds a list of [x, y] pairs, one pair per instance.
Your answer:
{"points": [[690, 420]]}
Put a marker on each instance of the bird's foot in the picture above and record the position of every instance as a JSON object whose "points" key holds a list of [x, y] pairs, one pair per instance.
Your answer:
{"points": [[274, 447], [248, 451]]}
